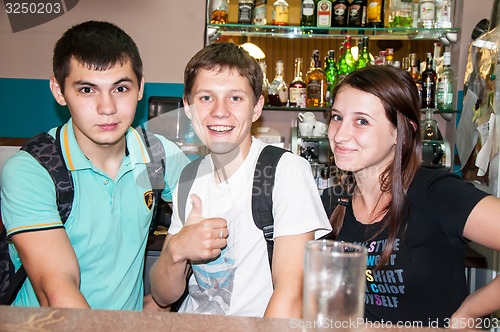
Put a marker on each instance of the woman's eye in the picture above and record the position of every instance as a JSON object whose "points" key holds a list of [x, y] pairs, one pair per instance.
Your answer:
{"points": [[362, 122], [336, 118]]}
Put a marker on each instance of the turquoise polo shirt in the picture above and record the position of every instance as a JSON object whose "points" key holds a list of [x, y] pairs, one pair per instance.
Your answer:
{"points": [[109, 221]]}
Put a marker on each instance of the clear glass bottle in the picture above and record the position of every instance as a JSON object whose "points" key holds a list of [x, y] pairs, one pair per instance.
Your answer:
{"points": [[402, 16], [219, 11], [427, 14], [278, 90], [265, 83], [443, 13], [260, 12], [280, 12], [375, 13], [445, 86], [429, 127], [316, 83], [331, 73], [308, 13], [297, 89]]}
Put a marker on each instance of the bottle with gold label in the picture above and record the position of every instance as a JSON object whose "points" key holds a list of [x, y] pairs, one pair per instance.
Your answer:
{"points": [[316, 83], [219, 10], [280, 12]]}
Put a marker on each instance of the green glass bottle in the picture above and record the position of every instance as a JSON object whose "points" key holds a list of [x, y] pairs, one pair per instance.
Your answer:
{"points": [[364, 56], [308, 13], [346, 63], [331, 72]]}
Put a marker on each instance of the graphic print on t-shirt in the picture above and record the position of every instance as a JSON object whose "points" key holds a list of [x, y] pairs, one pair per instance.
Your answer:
{"points": [[215, 279], [385, 285]]}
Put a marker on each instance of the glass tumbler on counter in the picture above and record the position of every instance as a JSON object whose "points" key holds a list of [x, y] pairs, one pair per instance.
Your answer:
{"points": [[334, 285]]}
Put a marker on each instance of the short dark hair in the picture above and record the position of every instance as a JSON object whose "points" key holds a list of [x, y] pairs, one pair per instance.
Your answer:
{"points": [[220, 56], [98, 45]]}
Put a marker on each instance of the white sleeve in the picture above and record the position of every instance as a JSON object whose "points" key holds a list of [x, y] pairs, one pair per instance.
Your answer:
{"points": [[297, 206]]}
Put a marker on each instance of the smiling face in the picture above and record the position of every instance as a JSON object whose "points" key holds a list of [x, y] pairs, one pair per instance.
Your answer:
{"points": [[102, 104], [222, 108], [360, 135]]}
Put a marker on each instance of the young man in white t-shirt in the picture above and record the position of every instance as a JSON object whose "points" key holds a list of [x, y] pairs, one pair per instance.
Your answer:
{"points": [[219, 241]]}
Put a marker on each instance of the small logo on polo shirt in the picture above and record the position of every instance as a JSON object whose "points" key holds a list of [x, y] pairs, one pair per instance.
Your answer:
{"points": [[148, 199]]}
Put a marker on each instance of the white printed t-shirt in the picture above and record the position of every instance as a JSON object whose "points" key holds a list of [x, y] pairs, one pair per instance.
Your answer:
{"points": [[239, 281]]}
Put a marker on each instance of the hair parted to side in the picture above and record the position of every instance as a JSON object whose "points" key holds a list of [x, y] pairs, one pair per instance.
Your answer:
{"points": [[97, 45], [398, 94], [221, 56]]}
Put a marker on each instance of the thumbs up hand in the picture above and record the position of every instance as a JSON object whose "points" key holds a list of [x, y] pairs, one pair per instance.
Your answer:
{"points": [[200, 239], [195, 214]]}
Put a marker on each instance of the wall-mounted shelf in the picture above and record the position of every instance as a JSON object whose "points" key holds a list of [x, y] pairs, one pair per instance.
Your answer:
{"points": [[216, 30], [295, 109]]}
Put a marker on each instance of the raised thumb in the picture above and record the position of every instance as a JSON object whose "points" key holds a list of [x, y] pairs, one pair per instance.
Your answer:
{"points": [[195, 214]]}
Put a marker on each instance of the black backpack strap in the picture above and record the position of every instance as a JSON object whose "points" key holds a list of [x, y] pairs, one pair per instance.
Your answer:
{"points": [[156, 170], [188, 175], [262, 194], [47, 151]]}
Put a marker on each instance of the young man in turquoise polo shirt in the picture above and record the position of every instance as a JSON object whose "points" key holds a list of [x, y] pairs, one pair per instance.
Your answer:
{"points": [[96, 258]]}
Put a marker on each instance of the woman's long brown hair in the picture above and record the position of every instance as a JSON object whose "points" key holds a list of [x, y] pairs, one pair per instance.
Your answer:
{"points": [[398, 94]]}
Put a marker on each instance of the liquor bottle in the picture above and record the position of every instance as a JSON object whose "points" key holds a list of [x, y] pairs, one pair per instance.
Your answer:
{"points": [[346, 63], [429, 78], [324, 13], [316, 84], [429, 127], [280, 12], [427, 14], [265, 83], [331, 73], [402, 16], [445, 85], [259, 12], [278, 90], [375, 13], [308, 13], [364, 57], [297, 89], [443, 13], [357, 13], [219, 11], [389, 56], [245, 11], [340, 13]]}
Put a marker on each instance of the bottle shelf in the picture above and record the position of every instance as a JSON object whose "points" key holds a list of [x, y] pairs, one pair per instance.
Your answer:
{"points": [[436, 111], [216, 30], [295, 109]]}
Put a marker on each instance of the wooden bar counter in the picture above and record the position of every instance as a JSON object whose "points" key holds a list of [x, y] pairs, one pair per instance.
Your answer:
{"points": [[21, 319]]}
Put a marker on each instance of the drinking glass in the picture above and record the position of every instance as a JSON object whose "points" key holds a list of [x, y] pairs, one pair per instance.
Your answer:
{"points": [[334, 285]]}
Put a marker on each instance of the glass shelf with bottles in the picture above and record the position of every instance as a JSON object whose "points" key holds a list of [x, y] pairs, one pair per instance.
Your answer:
{"points": [[295, 108], [288, 31]]}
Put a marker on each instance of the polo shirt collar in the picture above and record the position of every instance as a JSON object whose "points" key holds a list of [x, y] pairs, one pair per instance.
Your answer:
{"points": [[76, 159]]}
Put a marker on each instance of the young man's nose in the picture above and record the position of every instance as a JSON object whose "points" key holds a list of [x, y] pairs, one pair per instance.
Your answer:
{"points": [[106, 104], [220, 109]]}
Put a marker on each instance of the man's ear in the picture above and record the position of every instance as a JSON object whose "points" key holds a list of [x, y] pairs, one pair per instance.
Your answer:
{"points": [[141, 88], [57, 92], [187, 108], [257, 109]]}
